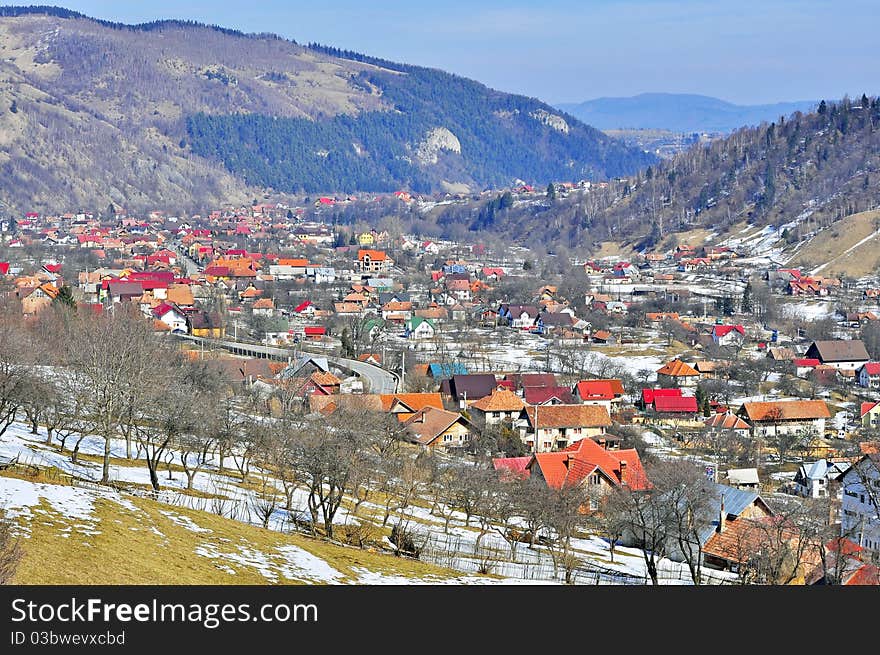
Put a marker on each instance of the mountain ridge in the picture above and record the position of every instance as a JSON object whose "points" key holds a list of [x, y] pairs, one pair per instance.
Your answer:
{"points": [[678, 112], [184, 115]]}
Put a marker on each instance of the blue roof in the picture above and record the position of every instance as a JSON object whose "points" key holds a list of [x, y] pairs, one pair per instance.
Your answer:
{"points": [[735, 501], [447, 370]]}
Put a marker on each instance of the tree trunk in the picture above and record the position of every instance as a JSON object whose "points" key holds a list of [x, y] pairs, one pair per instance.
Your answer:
{"points": [[154, 477], [105, 477]]}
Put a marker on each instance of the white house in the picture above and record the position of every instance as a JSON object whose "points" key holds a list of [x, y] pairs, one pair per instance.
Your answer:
{"points": [[420, 328], [813, 479], [860, 503], [868, 375], [170, 316], [728, 335]]}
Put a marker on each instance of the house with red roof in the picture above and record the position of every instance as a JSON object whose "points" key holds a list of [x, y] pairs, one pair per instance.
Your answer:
{"points": [[588, 463], [868, 375], [606, 393], [870, 415], [170, 315], [544, 428], [804, 366], [677, 374], [373, 261], [4, 268], [728, 335], [648, 396], [674, 410]]}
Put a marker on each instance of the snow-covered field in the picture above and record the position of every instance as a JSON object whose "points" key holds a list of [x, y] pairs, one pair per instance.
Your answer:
{"points": [[455, 549]]}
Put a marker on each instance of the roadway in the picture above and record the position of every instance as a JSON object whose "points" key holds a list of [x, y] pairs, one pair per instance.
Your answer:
{"points": [[378, 380]]}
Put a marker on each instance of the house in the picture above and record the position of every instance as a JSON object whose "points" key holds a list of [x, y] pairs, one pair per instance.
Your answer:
{"points": [[264, 307], [677, 374], [742, 478], [419, 328], [554, 427], [599, 392], [548, 396], [742, 526], [464, 389], [726, 423], [371, 358], [119, 291], [518, 316], [587, 463], [499, 406], [860, 503], [438, 371], [840, 353], [868, 375], [674, 409], [202, 324], [728, 335], [374, 261], [648, 395], [846, 564], [814, 479], [437, 428], [785, 417], [804, 367], [171, 316], [870, 415]]}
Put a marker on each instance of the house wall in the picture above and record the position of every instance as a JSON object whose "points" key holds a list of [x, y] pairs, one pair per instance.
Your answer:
{"points": [[859, 518], [788, 427], [872, 418], [550, 439], [455, 437]]}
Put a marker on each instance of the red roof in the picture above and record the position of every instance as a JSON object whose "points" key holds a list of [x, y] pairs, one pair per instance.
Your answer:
{"points": [[538, 395], [806, 362], [648, 395], [315, 331], [572, 465], [872, 368], [722, 330], [684, 404], [599, 389], [303, 306], [867, 407], [512, 467], [4, 268], [53, 268]]}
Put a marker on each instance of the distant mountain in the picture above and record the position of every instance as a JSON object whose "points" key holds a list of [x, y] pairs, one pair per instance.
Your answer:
{"points": [[678, 112], [185, 115]]}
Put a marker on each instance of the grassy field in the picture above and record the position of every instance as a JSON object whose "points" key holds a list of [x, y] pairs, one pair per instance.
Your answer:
{"points": [[147, 542], [837, 247]]}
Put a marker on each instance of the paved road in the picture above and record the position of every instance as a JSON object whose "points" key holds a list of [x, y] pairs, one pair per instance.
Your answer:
{"points": [[378, 380]]}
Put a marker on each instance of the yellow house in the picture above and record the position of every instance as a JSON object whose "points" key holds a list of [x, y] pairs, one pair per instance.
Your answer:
{"points": [[431, 427], [870, 415], [366, 239]]}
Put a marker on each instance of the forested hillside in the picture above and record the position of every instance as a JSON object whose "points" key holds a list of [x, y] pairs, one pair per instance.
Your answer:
{"points": [[817, 167], [181, 115]]}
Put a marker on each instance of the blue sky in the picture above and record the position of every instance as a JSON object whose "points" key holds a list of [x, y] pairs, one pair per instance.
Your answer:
{"points": [[744, 51]]}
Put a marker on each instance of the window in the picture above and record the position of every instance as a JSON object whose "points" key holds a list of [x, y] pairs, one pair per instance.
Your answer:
{"points": [[447, 437], [496, 414], [594, 504], [548, 445], [594, 478]]}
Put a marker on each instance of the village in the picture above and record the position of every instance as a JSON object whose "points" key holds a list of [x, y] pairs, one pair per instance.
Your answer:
{"points": [[762, 377]]}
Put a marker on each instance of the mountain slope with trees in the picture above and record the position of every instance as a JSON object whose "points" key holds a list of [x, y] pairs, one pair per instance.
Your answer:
{"points": [[809, 170], [181, 115]]}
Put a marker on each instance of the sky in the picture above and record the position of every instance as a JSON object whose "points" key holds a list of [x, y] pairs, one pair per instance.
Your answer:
{"points": [[743, 51]]}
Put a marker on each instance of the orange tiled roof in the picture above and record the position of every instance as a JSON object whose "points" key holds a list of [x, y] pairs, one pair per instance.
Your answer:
{"points": [[500, 400], [786, 410], [414, 401], [678, 368], [565, 416], [572, 465]]}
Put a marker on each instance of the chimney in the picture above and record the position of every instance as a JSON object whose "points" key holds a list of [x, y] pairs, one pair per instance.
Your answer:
{"points": [[622, 472], [722, 517]]}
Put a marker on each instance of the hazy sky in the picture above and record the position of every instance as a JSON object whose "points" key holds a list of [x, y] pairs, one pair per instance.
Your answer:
{"points": [[744, 51]]}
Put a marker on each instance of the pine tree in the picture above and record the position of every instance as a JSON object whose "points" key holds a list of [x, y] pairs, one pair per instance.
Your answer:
{"points": [[64, 298], [551, 191], [747, 305]]}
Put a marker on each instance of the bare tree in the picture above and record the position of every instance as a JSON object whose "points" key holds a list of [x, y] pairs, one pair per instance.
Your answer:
{"points": [[111, 355], [10, 550]]}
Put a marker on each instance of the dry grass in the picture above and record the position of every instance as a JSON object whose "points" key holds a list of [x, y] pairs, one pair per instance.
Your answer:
{"points": [[128, 551], [831, 244]]}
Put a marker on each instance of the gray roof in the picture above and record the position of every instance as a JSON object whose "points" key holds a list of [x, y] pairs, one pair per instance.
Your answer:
{"points": [[821, 469], [839, 350], [742, 476], [735, 501]]}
